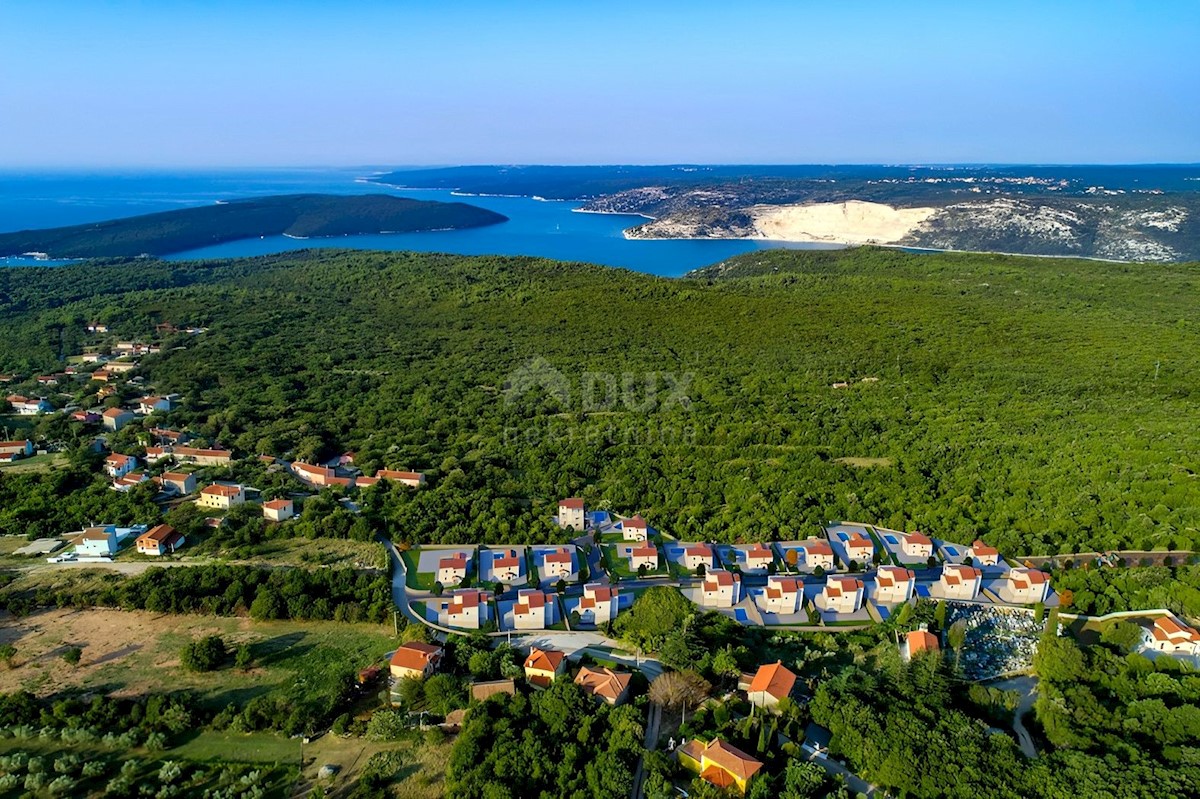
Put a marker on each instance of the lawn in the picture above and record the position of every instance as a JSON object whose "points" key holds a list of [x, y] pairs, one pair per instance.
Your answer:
{"points": [[422, 581], [615, 564], [38, 463]]}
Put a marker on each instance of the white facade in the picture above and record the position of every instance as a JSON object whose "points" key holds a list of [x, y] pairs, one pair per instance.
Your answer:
{"points": [[893, 585], [721, 589], [783, 595], [960, 582], [843, 594]]}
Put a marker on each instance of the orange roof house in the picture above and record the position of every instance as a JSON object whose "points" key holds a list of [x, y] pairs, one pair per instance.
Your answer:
{"points": [[719, 763], [159, 540], [543, 665], [771, 683], [919, 641], [415, 659], [605, 684]]}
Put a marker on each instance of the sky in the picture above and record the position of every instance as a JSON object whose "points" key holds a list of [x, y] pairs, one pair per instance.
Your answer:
{"points": [[117, 83]]}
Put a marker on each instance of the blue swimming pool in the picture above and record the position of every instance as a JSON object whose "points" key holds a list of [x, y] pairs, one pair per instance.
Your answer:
{"points": [[741, 616], [675, 552], [891, 539]]}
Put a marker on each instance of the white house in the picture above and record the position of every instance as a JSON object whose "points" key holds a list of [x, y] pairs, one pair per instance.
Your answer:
{"points": [[646, 555], [222, 497], [21, 448], [960, 582], [983, 555], [97, 542], [758, 558], [860, 548], [782, 595], [506, 565], [117, 465], [916, 545], [529, 613], [634, 529], [1027, 586], [570, 513], [559, 564], [463, 610], [1169, 635], [149, 405], [697, 555], [894, 585], [278, 510], [160, 540], [721, 589], [598, 605], [116, 418], [452, 570], [131, 480], [29, 406], [817, 552], [842, 594]]}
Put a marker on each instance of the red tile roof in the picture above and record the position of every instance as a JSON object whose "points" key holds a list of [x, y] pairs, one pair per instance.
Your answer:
{"points": [[774, 679], [817, 547], [574, 503], [980, 548], [278, 504], [918, 538], [415, 655], [921, 641], [635, 523], [544, 659], [730, 759], [603, 682], [222, 491]]}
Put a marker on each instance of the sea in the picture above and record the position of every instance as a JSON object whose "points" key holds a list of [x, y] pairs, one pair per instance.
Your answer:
{"points": [[550, 229]]}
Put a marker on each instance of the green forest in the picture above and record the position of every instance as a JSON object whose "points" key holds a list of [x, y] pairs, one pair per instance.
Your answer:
{"points": [[1045, 405]]}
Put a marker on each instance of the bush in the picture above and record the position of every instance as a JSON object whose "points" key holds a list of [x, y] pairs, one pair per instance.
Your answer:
{"points": [[207, 654], [386, 725], [73, 655]]}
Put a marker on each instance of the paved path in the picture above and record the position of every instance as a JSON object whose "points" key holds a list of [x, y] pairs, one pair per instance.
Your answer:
{"points": [[653, 720], [1027, 686], [855, 783]]}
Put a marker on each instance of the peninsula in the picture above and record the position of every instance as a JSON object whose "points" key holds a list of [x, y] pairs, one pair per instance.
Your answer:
{"points": [[295, 215]]}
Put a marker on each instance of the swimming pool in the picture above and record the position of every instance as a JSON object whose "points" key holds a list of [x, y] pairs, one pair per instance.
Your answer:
{"points": [[891, 539], [741, 616]]}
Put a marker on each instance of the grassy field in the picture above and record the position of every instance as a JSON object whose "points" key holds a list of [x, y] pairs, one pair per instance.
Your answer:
{"points": [[324, 552], [38, 463], [133, 652], [615, 564], [414, 579]]}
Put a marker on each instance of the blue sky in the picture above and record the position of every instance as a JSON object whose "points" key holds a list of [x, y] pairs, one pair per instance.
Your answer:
{"points": [[165, 83]]}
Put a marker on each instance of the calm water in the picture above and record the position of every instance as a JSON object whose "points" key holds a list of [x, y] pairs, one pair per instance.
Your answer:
{"points": [[548, 229]]}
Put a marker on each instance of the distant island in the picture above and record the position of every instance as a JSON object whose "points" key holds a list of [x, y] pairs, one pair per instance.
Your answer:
{"points": [[296, 215]]}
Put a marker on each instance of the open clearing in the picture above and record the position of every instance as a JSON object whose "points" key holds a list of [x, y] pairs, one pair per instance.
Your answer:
{"points": [[864, 463]]}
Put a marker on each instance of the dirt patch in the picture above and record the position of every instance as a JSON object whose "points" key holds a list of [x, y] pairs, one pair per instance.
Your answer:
{"points": [[864, 463]]}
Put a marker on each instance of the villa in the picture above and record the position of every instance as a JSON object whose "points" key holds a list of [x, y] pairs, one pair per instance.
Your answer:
{"points": [[860, 548], [97, 542], [452, 569], [721, 589], [697, 555], [1169, 635], [221, 497], [415, 660], [463, 608], [29, 406], [1027, 586], [529, 613], [771, 684], [559, 563], [758, 558], [843, 594], [570, 513], [634, 529], [960, 582], [543, 666], [116, 465], [817, 552], [598, 605], [916, 545], [983, 555], [643, 556], [159, 540], [782, 595], [131, 480], [893, 585], [319, 476], [278, 510], [611, 687], [506, 565], [719, 763]]}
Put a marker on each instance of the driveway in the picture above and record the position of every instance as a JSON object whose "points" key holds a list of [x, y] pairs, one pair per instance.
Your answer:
{"points": [[1027, 687]]}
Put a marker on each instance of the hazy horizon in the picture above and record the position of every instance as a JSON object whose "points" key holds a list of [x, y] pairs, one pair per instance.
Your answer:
{"points": [[129, 85]]}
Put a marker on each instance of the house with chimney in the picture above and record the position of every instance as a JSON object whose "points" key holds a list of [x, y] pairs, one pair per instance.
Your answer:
{"points": [[817, 552], [860, 548], [221, 497], [544, 666], [116, 465], [782, 595], [635, 529], [983, 555], [1026, 586], [278, 510], [598, 605], [721, 589], [452, 569], [415, 660], [960, 582], [505, 566], [757, 558], [894, 585], [842, 594]]}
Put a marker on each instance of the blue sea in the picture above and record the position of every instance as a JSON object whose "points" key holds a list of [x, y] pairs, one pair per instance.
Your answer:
{"points": [[535, 227]]}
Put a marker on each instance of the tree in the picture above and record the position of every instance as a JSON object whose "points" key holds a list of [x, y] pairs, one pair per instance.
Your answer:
{"points": [[438, 588], [725, 664], [700, 570], [244, 658], [560, 587], [1123, 634], [956, 636], [206, 654], [655, 614], [939, 614], [679, 689], [8, 655]]}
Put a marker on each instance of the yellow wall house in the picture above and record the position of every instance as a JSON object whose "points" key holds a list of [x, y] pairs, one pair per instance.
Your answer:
{"points": [[719, 763]]}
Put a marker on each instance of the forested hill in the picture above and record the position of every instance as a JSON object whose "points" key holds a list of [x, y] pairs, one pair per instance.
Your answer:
{"points": [[298, 215], [1048, 405]]}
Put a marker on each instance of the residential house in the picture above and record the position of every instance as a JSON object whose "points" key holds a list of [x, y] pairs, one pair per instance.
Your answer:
{"points": [[131, 480], [1171, 636], [183, 483], [916, 545], [96, 327], [452, 569], [20, 448], [222, 497], [85, 417], [570, 513], [697, 555], [416, 660], [719, 763], [543, 666], [960, 582], [860, 548], [604, 684], [758, 558], [319, 476], [598, 605], [410, 479], [116, 418], [48, 380], [817, 552], [529, 612], [29, 406], [843, 594], [121, 367], [116, 465], [983, 555], [634, 529], [161, 539], [894, 585], [279, 510], [918, 642], [97, 542], [463, 609], [721, 589], [771, 684], [102, 375], [559, 564], [197, 455], [149, 405], [782, 595], [169, 436], [1027, 586], [506, 565], [646, 555]]}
